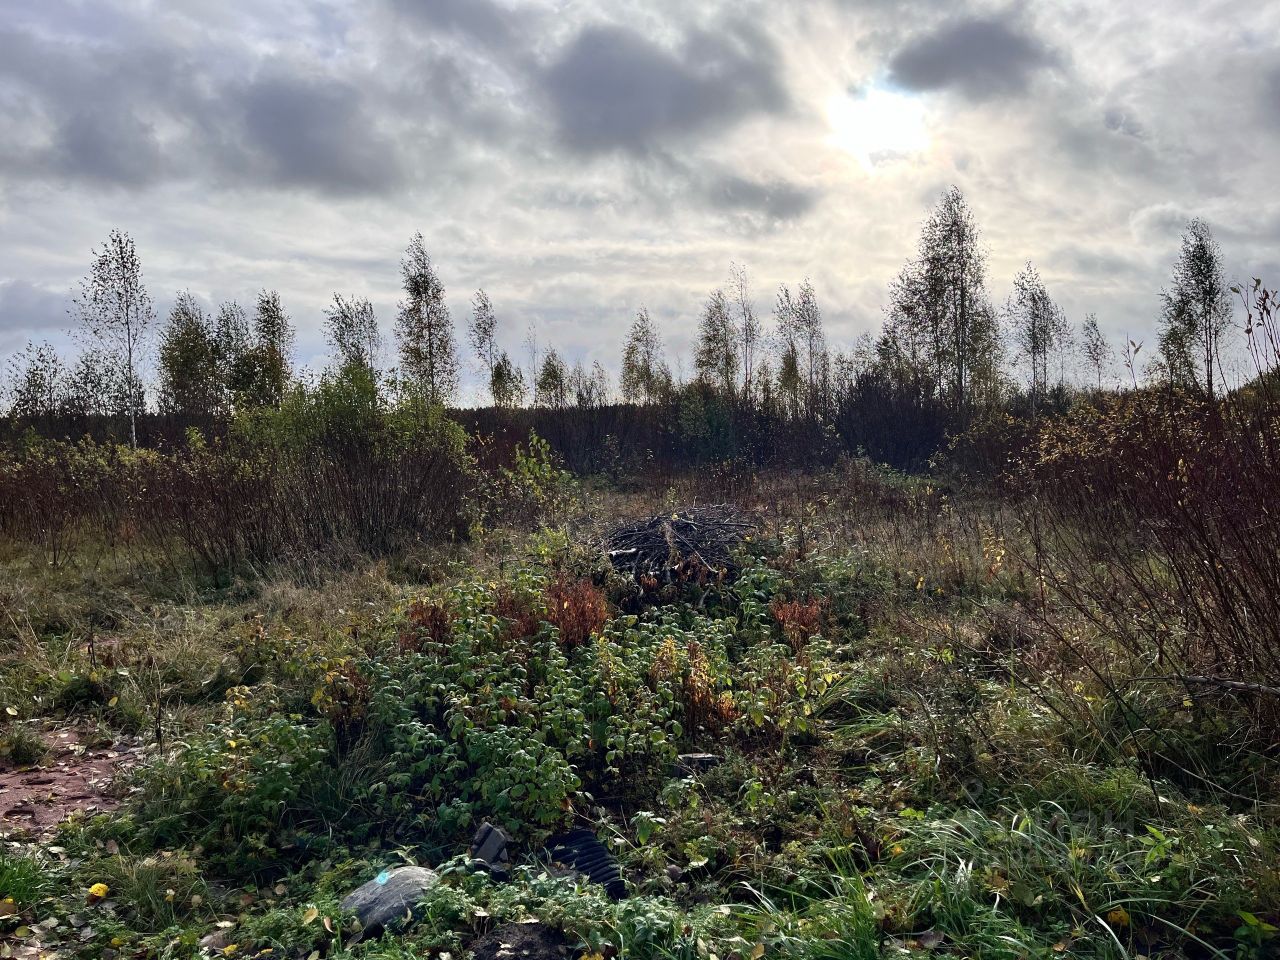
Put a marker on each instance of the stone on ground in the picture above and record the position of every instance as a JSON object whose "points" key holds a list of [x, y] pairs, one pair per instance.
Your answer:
{"points": [[388, 897]]}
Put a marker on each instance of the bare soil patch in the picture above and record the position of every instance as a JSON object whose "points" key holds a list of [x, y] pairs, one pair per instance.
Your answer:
{"points": [[75, 777]]}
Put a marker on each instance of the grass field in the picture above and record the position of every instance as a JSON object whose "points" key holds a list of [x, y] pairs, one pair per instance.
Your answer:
{"points": [[919, 749]]}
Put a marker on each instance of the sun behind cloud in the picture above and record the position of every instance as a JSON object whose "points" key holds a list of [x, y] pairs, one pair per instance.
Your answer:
{"points": [[878, 125]]}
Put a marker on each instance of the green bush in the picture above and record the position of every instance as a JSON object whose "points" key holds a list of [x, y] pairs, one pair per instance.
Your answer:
{"points": [[484, 708], [489, 720], [533, 486], [244, 778], [339, 466]]}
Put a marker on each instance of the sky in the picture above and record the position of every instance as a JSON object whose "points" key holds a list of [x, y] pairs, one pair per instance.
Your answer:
{"points": [[580, 159]]}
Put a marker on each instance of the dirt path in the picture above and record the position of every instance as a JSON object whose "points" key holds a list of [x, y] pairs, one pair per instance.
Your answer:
{"points": [[75, 777]]}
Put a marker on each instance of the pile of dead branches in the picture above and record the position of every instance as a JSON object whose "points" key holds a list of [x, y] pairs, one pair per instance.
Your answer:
{"points": [[695, 544]]}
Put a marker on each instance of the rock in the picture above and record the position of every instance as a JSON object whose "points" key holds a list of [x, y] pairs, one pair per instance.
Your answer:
{"points": [[388, 897], [521, 941], [489, 848], [216, 940], [693, 764]]}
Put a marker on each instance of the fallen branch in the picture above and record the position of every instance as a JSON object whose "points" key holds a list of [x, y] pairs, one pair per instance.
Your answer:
{"points": [[1241, 686]]}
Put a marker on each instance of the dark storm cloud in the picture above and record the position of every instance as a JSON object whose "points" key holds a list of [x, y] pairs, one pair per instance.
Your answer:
{"points": [[107, 145], [82, 111], [980, 57], [612, 88]]}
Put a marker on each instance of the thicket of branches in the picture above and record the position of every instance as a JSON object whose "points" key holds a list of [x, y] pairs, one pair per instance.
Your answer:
{"points": [[333, 469]]}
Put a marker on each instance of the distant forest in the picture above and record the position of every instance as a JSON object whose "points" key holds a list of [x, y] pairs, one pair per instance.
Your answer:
{"points": [[763, 388]]}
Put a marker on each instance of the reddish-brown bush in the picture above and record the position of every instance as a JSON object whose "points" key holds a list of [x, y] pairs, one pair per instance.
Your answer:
{"points": [[578, 609], [519, 610], [799, 620], [1153, 518], [428, 622]]}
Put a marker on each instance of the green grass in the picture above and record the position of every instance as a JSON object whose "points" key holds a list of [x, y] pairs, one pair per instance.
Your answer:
{"points": [[24, 881], [21, 746], [155, 891]]}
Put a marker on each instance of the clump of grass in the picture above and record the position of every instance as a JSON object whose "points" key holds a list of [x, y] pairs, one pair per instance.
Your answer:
{"points": [[1043, 876], [292, 930], [81, 691], [22, 746], [157, 891], [23, 880], [832, 920]]}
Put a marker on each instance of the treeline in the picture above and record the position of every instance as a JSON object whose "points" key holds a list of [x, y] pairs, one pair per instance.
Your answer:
{"points": [[947, 355]]}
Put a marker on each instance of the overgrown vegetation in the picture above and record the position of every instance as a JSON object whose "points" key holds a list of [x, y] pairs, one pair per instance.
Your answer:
{"points": [[915, 755], [1022, 705]]}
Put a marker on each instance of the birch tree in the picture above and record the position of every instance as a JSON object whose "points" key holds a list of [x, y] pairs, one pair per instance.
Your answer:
{"points": [[424, 329], [115, 309]]}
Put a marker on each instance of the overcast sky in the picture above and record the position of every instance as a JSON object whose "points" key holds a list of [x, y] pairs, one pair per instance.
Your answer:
{"points": [[582, 158]]}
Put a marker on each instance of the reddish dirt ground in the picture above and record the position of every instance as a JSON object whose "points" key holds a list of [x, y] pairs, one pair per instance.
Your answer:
{"points": [[74, 777]]}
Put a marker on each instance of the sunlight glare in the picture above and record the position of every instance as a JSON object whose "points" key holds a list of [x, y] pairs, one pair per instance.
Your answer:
{"points": [[878, 126]]}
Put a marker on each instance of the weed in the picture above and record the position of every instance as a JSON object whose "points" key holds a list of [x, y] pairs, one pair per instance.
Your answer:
{"points": [[577, 609], [428, 622], [798, 619], [22, 746], [158, 890], [24, 881]]}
